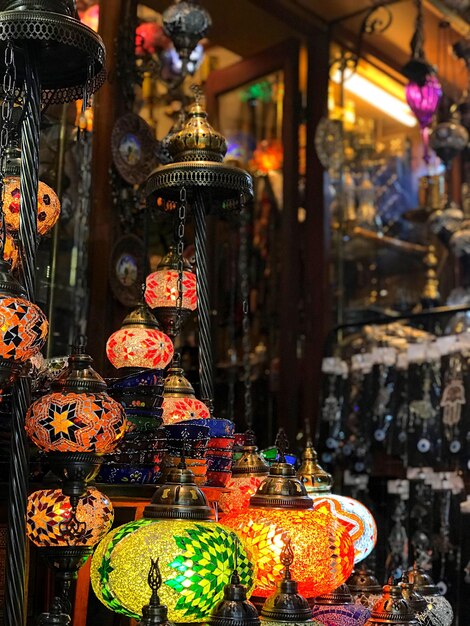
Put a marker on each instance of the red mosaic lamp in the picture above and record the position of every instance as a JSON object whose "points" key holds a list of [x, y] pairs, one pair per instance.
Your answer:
{"points": [[179, 400], [76, 423], [281, 509], [162, 292], [139, 343]]}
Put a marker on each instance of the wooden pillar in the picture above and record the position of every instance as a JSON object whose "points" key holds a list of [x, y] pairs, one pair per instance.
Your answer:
{"points": [[316, 233], [103, 219]]}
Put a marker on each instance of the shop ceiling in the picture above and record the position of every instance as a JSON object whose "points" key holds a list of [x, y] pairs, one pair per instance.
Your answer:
{"points": [[249, 26]]}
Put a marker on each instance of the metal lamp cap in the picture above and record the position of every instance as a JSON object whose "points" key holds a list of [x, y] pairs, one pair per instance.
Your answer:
{"points": [[416, 601], [312, 474], [140, 316], [79, 376], [281, 489], [250, 463], [422, 582], [392, 609], [363, 580], [179, 498], [341, 595], [234, 609], [176, 383], [171, 260]]}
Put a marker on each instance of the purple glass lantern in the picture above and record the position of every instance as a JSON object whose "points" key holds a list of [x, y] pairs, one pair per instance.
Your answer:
{"points": [[423, 100]]}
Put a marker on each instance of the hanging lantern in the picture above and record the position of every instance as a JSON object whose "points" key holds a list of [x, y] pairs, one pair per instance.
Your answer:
{"points": [[440, 610], [197, 555], [179, 400], [48, 206], [392, 609], [449, 138], [287, 605], [162, 293], [248, 472], [234, 609], [281, 509], [338, 609], [139, 342], [49, 513], [355, 517], [75, 423], [185, 22], [364, 587], [23, 327]]}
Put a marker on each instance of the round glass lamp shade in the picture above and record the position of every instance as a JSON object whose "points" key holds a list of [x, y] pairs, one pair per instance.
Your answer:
{"points": [[76, 422], [49, 509], [177, 410], [139, 347], [440, 611], [48, 206], [355, 517], [196, 562], [324, 553], [162, 289], [23, 328]]}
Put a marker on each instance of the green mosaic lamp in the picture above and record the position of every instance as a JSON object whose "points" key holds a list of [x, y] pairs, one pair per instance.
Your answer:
{"points": [[196, 555]]}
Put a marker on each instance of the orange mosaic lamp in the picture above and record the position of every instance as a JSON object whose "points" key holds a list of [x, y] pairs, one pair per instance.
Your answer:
{"points": [[48, 206], [179, 400], [281, 510], [162, 292], [139, 343], [23, 326]]}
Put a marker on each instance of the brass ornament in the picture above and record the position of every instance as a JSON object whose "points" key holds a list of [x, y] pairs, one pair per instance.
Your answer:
{"points": [[311, 473]]}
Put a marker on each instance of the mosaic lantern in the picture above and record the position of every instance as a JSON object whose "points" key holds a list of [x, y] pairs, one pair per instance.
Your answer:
{"points": [[139, 342], [79, 415], [440, 610], [23, 326], [197, 555], [392, 609], [338, 609], [364, 587], [248, 472], [49, 513], [48, 206], [185, 22], [449, 138], [179, 400], [355, 517], [418, 604], [287, 605], [162, 293], [281, 510]]}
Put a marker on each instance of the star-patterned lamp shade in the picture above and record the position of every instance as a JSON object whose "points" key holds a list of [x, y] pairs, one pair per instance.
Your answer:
{"points": [[48, 206], [23, 328], [323, 547], [76, 422], [355, 517], [196, 562], [162, 286], [139, 342], [48, 510], [179, 400]]}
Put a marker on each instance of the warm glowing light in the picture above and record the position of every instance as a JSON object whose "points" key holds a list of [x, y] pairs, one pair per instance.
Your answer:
{"points": [[139, 347], [48, 206], [242, 487], [76, 422], [10, 251], [377, 97], [49, 509], [177, 410], [162, 289], [324, 553], [268, 156], [196, 562], [23, 329]]}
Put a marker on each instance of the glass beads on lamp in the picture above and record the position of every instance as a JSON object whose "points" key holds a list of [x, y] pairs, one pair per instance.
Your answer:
{"points": [[48, 206], [139, 342], [49, 509]]}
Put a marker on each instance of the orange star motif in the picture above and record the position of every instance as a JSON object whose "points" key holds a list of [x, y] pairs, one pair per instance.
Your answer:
{"points": [[61, 423]]}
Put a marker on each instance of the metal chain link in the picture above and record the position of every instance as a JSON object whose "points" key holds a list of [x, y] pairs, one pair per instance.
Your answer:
{"points": [[9, 84], [245, 295], [179, 251]]}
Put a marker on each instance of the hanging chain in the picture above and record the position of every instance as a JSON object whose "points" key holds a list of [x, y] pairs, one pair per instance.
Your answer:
{"points": [[9, 83], [179, 251], [245, 294]]}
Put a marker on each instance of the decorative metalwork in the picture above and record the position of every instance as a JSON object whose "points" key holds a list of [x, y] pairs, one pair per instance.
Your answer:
{"points": [[185, 22]]}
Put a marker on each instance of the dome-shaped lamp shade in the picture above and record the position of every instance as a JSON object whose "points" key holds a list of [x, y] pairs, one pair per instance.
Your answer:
{"points": [[23, 328], [323, 547], [355, 517], [76, 422], [177, 410], [139, 342], [162, 289], [48, 206], [196, 562], [48, 510]]}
